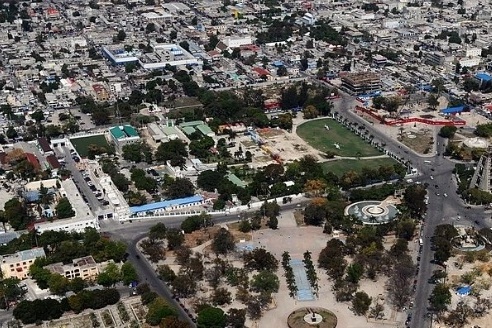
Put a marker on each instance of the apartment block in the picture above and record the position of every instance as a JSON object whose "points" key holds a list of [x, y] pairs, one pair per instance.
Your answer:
{"points": [[17, 265], [84, 267]]}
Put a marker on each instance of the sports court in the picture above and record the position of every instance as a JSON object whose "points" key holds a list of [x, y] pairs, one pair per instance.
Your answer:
{"points": [[304, 292]]}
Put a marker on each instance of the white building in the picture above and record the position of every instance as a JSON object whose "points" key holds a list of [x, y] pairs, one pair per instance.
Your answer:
{"points": [[235, 42], [473, 52], [469, 62], [69, 225]]}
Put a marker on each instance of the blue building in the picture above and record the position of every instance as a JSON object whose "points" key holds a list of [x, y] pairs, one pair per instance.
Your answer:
{"points": [[167, 205]]}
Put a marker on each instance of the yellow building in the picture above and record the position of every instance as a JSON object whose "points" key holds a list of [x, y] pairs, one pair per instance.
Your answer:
{"points": [[84, 267], [17, 265]]}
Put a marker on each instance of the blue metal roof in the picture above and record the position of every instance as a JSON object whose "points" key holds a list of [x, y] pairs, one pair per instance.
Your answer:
{"points": [[453, 110], [484, 77], [165, 204], [465, 290]]}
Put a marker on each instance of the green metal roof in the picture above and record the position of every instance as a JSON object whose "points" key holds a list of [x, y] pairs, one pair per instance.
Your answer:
{"points": [[204, 129], [192, 124], [117, 133], [169, 130], [188, 130], [234, 179], [130, 131]]}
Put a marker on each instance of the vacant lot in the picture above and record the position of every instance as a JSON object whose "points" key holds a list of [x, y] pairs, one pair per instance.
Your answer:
{"points": [[81, 144], [341, 166], [315, 134]]}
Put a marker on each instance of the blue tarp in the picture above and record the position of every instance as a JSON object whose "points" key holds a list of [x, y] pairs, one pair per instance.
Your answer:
{"points": [[453, 110], [278, 63], [165, 204], [463, 291], [484, 77]]}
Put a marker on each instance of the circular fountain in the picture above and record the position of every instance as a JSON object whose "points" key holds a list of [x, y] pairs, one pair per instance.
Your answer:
{"points": [[372, 212]]}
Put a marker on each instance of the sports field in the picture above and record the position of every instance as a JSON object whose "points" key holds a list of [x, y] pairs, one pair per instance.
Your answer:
{"points": [[351, 145], [81, 144], [341, 166]]}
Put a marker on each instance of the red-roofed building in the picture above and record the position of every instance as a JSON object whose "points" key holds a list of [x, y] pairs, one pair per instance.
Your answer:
{"points": [[52, 13], [100, 92], [31, 158], [260, 72], [53, 162]]}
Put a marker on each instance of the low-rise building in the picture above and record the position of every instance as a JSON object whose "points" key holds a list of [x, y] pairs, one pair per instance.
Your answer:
{"points": [[84, 267], [69, 225], [167, 205], [17, 265], [124, 135]]}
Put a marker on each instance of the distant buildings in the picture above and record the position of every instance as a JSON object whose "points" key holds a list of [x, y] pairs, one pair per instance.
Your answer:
{"points": [[17, 265]]}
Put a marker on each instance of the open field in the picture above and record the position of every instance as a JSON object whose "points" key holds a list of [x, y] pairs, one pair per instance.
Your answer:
{"points": [[81, 144], [341, 166], [316, 135]]}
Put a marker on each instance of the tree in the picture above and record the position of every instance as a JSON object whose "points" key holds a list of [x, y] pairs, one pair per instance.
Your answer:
{"points": [[331, 258], [196, 222], [244, 226], [174, 238], [273, 222], [361, 303], [223, 242], [38, 116], [265, 282], [377, 311], [64, 209], [414, 198], [260, 259], [310, 112], [121, 35], [158, 231], [173, 322], [128, 273], [58, 284], [38, 310], [16, 212], [236, 318], [166, 273], [110, 276], [221, 296], [400, 281], [459, 317], [433, 101], [210, 180], [355, 272], [158, 310], [448, 131], [183, 285], [270, 209], [211, 317], [316, 212], [180, 188], [171, 149], [440, 298]]}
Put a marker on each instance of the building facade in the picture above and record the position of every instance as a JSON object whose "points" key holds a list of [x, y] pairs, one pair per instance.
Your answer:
{"points": [[361, 83], [84, 267], [17, 265]]}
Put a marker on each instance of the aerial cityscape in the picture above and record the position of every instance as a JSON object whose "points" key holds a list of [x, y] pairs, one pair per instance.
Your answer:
{"points": [[259, 164]]}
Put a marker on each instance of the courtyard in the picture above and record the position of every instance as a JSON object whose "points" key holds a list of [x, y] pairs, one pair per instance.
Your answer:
{"points": [[82, 144]]}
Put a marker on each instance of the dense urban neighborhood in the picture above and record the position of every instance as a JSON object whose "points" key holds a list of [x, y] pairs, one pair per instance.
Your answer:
{"points": [[223, 164]]}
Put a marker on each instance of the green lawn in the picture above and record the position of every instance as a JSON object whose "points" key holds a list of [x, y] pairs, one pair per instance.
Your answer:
{"points": [[81, 144], [315, 134], [344, 165]]}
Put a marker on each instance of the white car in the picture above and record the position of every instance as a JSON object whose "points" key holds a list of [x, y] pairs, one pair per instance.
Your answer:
{"points": [[445, 195], [431, 177]]}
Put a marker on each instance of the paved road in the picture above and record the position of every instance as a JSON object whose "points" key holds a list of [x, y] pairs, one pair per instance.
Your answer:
{"points": [[437, 172], [70, 164]]}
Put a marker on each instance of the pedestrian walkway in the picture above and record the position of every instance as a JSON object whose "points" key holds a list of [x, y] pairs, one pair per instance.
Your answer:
{"points": [[304, 292]]}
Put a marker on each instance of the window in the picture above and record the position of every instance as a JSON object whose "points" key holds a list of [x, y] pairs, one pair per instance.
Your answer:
{"points": [[23, 263], [11, 265]]}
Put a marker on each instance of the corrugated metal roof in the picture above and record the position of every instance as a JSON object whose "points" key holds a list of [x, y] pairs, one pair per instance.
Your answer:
{"points": [[166, 203], [130, 131], [117, 132]]}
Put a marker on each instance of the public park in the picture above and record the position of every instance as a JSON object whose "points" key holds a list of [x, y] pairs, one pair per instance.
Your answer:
{"points": [[327, 135]]}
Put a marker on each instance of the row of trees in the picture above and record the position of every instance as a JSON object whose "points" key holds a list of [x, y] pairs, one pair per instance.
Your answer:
{"points": [[36, 311]]}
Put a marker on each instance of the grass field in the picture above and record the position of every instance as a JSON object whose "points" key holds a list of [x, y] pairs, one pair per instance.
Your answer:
{"points": [[344, 165], [315, 134], [81, 144]]}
